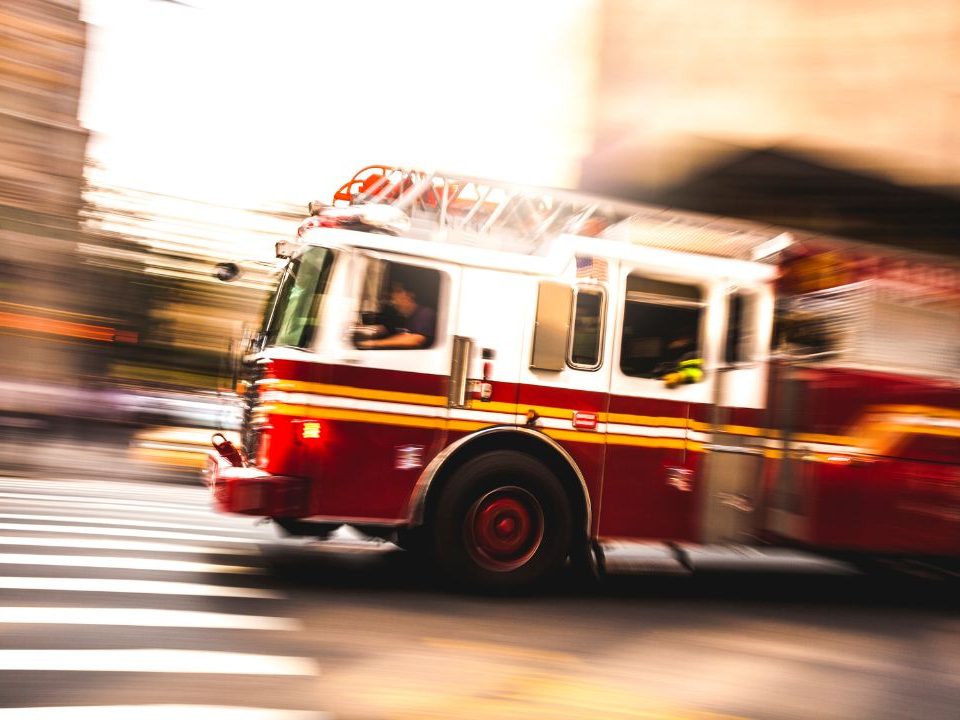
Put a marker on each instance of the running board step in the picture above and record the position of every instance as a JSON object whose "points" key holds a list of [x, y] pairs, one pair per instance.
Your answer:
{"points": [[624, 557], [620, 557]]}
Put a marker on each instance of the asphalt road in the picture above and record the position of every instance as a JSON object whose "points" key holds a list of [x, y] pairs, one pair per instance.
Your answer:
{"points": [[134, 600]]}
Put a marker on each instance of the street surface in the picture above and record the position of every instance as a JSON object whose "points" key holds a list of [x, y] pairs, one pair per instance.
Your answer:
{"points": [[134, 600]]}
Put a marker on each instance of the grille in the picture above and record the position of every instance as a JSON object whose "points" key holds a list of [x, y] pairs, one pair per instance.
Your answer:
{"points": [[252, 372]]}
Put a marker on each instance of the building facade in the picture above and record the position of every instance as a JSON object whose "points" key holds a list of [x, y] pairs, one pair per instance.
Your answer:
{"points": [[42, 148]]}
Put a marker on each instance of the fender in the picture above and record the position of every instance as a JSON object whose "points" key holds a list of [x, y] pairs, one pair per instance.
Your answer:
{"points": [[418, 499]]}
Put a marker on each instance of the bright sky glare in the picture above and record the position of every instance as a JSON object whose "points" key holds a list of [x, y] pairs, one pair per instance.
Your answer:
{"points": [[247, 102]]}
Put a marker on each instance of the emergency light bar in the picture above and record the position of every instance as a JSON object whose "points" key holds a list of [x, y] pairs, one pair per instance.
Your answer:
{"points": [[385, 218], [376, 218]]}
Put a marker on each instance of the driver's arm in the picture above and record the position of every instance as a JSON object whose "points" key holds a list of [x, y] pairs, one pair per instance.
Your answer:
{"points": [[400, 340]]}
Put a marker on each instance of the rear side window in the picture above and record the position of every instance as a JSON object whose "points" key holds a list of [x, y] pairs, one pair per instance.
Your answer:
{"points": [[741, 341], [586, 337]]}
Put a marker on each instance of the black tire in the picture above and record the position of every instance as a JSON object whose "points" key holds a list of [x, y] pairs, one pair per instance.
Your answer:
{"points": [[502, 523]]}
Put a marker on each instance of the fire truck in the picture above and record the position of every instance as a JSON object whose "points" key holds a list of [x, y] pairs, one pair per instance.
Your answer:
{"points": [[511, 379]]}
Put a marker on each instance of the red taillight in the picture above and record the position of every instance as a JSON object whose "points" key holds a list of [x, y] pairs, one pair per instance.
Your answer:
{"points": [[263, 448]]}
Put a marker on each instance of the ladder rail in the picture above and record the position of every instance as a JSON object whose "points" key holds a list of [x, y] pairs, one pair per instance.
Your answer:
{"points": [[533, 215]]}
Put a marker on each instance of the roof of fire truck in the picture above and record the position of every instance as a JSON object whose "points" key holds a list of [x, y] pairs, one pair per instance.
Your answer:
{"points": [[475, 217]]}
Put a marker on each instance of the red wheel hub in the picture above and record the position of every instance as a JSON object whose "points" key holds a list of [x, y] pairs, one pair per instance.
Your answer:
{"points": [[504, 528]]}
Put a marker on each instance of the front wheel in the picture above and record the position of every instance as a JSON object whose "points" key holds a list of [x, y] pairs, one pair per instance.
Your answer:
{"points": [[502, 523]]}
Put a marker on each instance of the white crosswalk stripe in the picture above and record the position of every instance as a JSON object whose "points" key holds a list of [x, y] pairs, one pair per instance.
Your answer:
{"points": [[156, 661], [94, 500], [121, 532], [139, 617], [114, 521], [140, 580], [123, 563], [146, 587], [131, 545], [62, 503]]}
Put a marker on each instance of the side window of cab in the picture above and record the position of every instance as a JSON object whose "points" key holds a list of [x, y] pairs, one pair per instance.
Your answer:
{"points": [[661, 330], [399, 306]]}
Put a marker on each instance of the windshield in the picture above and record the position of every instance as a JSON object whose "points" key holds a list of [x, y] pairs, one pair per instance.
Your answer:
{"points": [[294, 318]]}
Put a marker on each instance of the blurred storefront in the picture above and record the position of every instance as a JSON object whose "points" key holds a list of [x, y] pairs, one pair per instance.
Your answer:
{"points": [[43, 318]]}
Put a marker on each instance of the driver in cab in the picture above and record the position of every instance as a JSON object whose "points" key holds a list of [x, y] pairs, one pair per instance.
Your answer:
{"points": [[415, 328]]}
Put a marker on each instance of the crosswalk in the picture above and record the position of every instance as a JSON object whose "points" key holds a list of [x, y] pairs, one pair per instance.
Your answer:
{"points": [[131, 599]]}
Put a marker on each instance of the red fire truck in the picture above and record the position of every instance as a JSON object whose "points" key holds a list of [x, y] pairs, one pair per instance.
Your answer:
{"points": [[512, 378]]}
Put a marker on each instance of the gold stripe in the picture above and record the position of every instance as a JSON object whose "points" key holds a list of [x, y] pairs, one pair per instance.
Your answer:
{"points": [[914, 410], [501, 407], [648, 442], [319, 413], [632, 440], [731, 429], [440, 401], [551, 412], [918, 430], [574, 436], [625, 419], [543, 411], [355, 392], [466, 425], [567, 413], [826, 439]]}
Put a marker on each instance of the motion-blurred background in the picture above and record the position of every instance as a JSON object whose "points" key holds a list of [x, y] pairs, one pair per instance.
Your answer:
{"points": [[142, 141]]}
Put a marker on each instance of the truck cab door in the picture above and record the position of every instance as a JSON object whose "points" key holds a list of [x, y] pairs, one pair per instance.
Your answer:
{"points": [[387, 405], [649, 486]]}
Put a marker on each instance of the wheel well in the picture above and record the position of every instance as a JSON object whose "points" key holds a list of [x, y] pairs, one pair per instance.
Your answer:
{"points": [[529, 444]]}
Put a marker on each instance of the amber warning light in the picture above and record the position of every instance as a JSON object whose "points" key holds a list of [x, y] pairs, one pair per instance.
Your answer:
{"points": [[310, 430]]}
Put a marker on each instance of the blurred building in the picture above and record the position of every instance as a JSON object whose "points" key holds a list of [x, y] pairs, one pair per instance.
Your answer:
{"points": [[42, 147], [802, 190], [839, 116]]}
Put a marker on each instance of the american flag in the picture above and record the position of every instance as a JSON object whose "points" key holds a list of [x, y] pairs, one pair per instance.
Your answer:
{"points": [[591, 267]]}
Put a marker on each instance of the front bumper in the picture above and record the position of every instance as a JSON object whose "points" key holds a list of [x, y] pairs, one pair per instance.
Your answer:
{"points": [[251, 491]]}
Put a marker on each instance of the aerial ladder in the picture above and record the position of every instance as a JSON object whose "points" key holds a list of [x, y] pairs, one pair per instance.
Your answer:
{"points": [[522, 218]]}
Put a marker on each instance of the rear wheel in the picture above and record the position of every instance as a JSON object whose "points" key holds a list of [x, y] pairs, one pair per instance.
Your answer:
{"points": [[502, 523]]}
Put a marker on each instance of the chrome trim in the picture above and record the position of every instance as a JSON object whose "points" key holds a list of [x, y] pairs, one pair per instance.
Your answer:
{"points": [[638, 296], [742, 450], [459, 367], [418, 498]]}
